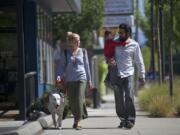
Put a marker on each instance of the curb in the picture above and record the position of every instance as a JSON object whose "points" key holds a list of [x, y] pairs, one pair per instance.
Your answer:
{"points": [[46, 121], [32, 128]]}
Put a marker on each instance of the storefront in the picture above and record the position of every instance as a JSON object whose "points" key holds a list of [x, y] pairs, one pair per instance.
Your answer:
{"points": [[26, 49]]}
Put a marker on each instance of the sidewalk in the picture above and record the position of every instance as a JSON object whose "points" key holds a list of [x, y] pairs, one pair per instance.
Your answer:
{"points": [[104, 121], [10, 125], [101, 121]]}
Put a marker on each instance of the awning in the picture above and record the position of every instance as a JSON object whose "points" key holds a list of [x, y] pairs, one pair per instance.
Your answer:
{"points": [[60, 6]]}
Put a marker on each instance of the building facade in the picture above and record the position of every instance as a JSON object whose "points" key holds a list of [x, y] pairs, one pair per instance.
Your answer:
{"points": [[26, 49]]}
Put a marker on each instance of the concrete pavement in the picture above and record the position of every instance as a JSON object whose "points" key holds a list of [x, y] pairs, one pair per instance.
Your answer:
{"points": [[101, 121], [104, 121], [6, 126], [108, 126]]}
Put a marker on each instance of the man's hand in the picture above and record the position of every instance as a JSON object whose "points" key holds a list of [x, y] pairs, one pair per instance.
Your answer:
{"points": [[112, 62], [142, 82]]}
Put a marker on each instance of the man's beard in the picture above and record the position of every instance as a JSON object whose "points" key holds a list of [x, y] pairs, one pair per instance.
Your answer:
{"points": [[123, 39]]}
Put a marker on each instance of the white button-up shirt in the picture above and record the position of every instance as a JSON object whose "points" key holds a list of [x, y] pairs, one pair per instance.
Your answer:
{"points": [[127, 57]]}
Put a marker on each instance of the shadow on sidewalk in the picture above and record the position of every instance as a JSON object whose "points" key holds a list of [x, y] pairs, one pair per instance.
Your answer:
{"points": [[9, 115], [52, 128]]}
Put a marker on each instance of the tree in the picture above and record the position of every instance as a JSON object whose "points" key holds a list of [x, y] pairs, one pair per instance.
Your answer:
{"points": [[145, 24], [90, 18]]}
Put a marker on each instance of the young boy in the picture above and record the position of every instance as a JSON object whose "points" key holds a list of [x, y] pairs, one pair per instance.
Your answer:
{"points": [[109, 51]]}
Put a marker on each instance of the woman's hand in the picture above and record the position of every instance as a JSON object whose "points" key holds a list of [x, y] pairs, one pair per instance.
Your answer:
{"points": [[90, 86], [59, 81]]}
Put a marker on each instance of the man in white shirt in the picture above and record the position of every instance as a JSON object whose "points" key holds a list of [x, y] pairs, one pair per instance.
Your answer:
{"points": [[127, 55]]}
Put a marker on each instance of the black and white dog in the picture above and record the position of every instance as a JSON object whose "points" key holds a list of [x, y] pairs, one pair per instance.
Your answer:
{"points": [[56, 107]]}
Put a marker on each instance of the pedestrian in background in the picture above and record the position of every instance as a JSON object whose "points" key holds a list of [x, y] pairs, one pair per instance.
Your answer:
{"points": [[75, 72]]}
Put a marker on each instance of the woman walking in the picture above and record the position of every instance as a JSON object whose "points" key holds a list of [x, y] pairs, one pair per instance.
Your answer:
{"points": [[75, 72]]}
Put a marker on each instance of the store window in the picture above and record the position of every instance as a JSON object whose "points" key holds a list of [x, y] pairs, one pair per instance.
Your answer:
{"points": [[8, 57], [45, 48], [7, 17]]}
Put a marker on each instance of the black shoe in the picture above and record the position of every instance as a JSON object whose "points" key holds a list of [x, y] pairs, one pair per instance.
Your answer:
{"points": [[129, 125], [74, 125], [122, 124], [77, 127]]}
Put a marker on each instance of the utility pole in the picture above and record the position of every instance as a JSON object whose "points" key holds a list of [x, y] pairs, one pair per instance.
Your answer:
{"points": [[137, 17], [158, 41], [170, 50], [161, 30], [152, 65], [136, 38]]}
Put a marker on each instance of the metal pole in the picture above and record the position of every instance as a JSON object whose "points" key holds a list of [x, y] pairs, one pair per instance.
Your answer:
{"points": [[161, 28], [170, 51], [137, 17], [152, 66], [21, 68], [136, 38], [158, 43]]}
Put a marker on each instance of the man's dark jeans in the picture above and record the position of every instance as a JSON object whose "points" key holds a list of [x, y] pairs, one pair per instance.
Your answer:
{"points": [[125, 108]]}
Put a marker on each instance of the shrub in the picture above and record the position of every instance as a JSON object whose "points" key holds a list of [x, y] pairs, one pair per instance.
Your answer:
{"points": [[144, 99], [146, 94], [161, 106], [177, 103], [177, 106], [40, 104], [177, 95], [155, 99]]}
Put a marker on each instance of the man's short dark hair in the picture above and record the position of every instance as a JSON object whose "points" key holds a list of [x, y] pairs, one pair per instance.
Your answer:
{"points": [[125, 27], [106, 33]]}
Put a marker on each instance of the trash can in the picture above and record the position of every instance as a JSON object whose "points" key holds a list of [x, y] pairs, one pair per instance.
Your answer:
{"points": [[30, 88]]}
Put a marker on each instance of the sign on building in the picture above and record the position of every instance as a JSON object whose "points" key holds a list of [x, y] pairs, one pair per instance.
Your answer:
{"points": [[118, 7], [115, 20]]}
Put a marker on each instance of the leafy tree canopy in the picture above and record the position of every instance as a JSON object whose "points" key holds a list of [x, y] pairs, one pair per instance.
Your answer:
{"points": [[90, 18], [145, 23]]}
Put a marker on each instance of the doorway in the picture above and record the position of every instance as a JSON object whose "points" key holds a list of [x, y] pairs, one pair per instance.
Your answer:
{"points": [[8, 58]]}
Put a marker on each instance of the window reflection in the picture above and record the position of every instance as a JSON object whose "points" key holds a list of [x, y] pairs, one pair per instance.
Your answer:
{"points": [[45, 49], [8, 57], [8, 16]]}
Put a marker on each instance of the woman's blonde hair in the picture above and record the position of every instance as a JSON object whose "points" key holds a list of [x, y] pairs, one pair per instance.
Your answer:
{"points": [[71, 36]]}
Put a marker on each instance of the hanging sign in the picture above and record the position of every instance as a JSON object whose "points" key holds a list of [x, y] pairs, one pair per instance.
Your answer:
{"points": [[118, 7]]}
